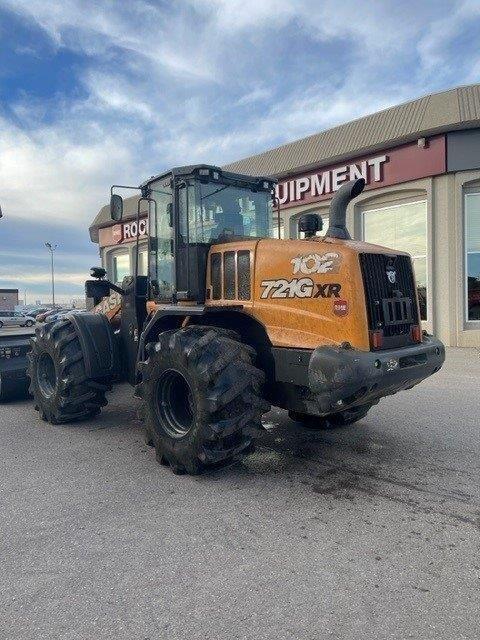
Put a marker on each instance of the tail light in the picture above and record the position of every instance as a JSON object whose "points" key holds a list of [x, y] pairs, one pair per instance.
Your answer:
{"points": [[376, 339], [416, 333]]}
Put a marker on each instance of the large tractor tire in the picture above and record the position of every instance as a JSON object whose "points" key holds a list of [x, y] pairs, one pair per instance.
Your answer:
{"points": [[202, 398], [61, 389], [332, 421]]}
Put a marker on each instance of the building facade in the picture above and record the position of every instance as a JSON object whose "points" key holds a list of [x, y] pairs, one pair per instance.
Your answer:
{"points": [[8, 299], [117, 241], [421, 164]]}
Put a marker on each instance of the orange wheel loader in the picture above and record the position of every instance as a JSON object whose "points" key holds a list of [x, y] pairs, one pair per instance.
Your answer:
{"points": [[232, 319]]}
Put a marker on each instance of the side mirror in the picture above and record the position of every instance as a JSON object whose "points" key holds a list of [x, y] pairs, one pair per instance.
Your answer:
{"points": [[170, 214], [309, 224], [98, 272], [1, 214], [116, 207]]}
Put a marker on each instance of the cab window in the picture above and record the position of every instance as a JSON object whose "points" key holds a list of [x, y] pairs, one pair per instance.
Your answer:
{"points": [[211, 211]]}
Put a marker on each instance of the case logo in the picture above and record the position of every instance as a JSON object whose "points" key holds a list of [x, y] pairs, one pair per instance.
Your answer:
{"points": [[392, 364], [392, 276]]}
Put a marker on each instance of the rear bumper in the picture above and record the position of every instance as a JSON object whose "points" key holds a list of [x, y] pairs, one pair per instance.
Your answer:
{"points": [[341, 378]]}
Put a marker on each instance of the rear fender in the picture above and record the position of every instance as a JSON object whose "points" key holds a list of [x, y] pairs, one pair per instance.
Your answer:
{"points": [[99, 346]]}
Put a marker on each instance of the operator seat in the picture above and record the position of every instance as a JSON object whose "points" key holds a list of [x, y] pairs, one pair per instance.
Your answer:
{"points": [[229, 222]]}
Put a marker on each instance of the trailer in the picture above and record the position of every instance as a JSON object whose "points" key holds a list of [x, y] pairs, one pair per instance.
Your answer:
{"points": [[13, 366]]}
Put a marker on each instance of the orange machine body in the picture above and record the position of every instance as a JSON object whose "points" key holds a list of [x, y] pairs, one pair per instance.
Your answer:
{"points": [[306, 293]]}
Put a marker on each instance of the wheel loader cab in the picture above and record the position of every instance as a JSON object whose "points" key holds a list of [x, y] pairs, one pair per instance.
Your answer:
{"points": [[195, 208]]}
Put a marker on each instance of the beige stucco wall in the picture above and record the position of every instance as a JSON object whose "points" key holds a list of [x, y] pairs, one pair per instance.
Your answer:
{"points": [[445, 240]]}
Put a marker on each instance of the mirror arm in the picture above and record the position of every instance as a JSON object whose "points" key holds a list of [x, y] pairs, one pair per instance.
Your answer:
{"points": [[137, 243], [276, 203], [122, 186], [116, 288]]}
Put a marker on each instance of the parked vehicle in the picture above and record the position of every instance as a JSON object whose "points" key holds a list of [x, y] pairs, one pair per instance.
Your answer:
{"points": [[45, 315], [59, 313], [34, 311], [41, 317], [13, 367], [15, 319], [13, 354]]}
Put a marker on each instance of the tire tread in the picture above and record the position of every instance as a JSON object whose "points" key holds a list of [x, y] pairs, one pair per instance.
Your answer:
{"points": [[76, 397], [232, 387]]}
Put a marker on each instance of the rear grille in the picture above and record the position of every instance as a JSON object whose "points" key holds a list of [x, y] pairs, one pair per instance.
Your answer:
{"points": [[391, 306], [216, 275], [229, 275], [235, 275], [243, 266]]}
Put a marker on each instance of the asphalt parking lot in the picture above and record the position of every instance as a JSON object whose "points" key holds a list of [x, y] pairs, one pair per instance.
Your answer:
{"points": [[371, 531]]}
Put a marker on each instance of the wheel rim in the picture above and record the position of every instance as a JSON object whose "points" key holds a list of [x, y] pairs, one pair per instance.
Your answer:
{"points": [[174, 403], [46, 375]]}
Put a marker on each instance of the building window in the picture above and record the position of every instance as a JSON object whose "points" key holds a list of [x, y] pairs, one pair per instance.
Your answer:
{"points": [[121, 267], [472, 255], [402, 227]]}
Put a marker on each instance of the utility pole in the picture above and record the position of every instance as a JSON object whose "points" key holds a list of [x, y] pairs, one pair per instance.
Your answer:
{"points": [[52, 248]]}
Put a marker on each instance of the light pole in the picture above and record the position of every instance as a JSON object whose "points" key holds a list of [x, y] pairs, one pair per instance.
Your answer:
{"points": [[52, 248]]}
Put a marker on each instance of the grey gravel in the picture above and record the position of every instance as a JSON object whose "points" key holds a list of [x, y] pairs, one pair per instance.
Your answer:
{"points": [[370, 531]]}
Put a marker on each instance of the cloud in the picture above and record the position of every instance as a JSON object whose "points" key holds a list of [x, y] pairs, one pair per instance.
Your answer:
{"points": [[156, 84], [57, 173], [45, 278], [255, 95], [144, 31], [449, 28]]}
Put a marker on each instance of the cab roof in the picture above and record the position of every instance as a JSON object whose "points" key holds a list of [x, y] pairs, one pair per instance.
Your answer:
{"points": [[189, 169]]}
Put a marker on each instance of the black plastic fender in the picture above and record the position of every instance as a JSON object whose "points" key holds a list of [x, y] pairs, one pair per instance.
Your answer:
{"points": [[99, 346]]}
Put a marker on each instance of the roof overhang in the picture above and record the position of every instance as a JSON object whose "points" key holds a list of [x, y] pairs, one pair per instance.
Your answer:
{"points": [[429, 115]]}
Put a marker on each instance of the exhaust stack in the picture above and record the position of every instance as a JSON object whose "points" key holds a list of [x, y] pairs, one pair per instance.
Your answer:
{"points": [[338, 208]]}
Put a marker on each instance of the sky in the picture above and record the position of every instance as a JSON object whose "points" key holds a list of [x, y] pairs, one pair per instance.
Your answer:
{"points": [[100, 92]]}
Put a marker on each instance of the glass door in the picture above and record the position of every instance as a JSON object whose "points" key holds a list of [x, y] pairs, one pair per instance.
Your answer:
{"points": [[472, 257]]}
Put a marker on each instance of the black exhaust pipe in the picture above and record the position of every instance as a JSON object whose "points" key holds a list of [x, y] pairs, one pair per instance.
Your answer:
{"points": [[338, 209]]}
